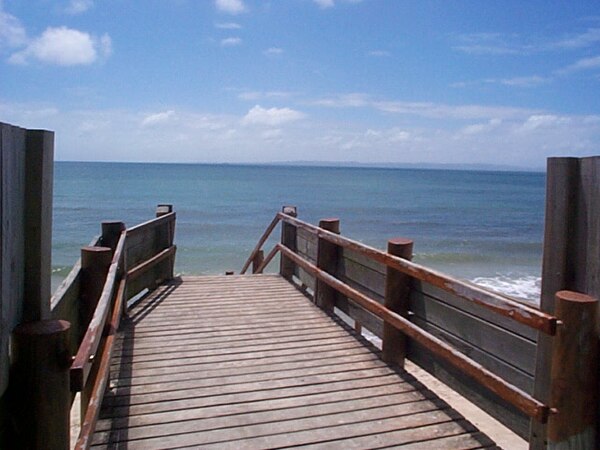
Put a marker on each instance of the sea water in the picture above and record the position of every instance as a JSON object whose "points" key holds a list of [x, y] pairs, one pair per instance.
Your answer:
{"points": [[484, 227]]}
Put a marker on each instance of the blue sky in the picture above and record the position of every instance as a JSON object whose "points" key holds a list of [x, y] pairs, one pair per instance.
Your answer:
{"points": [[376, 81]]}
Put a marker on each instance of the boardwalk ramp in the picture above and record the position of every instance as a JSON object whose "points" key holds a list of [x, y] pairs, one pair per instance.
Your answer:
{"points": [[250, 362]]}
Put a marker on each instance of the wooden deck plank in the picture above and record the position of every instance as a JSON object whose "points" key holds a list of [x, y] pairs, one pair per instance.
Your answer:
{"points": [[249, 362]]}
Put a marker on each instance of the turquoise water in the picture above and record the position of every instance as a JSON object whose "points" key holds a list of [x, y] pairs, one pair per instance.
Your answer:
{"points": [[481, 226]]}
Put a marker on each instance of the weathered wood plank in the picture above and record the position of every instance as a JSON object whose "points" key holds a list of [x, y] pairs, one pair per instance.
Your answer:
{"points": [[478, 333], [274, 373]]}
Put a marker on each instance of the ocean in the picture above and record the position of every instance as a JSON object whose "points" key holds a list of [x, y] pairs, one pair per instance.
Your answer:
{"points": [[485, 227]]}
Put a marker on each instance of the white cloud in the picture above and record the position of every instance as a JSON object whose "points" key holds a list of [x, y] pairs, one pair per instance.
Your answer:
{"points": [[157, 118], [231, 6], [12, 33], [589, 37], [256, 95], [228, 26], [64, 47], [352, 100], [273, 51], [480, 128], [272, 116], [544, 121], [79, 6], [231, 42]]}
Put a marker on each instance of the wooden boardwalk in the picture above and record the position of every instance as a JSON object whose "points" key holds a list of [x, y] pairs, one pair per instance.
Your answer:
{"points": [[249, 362]]}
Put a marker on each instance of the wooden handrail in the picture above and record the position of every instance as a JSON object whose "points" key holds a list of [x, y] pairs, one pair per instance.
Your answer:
{"points": [[143, 267], [151, 223], [93, 411], [510, 393], [260, 243], [524, 314], [80, 369]]}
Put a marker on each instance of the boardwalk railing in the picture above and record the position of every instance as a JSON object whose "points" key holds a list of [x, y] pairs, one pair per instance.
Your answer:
{"points": [[457, 331], [114, 268]]}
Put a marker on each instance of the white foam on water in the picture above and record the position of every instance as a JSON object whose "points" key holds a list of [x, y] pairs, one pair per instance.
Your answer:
{"points": [[526, 287]]}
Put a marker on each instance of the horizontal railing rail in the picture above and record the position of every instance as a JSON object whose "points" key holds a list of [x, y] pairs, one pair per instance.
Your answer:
{"points": [[508, 392], [519, 312], [150, 262]]}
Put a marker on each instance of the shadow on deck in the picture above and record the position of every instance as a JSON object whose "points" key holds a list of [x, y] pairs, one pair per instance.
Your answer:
{"points": [[250, 362]]}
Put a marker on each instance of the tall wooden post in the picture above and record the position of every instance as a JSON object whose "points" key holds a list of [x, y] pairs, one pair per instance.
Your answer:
{"points": [[39, 169], [327, 260], [41, 363], [571, 249], [397, 290], [288, 239], [166, 270], [258, 259], [111, 233], [95, 262], [574, 374]]}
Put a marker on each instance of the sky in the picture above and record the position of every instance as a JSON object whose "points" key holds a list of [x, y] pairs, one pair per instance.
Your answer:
{"points": [[371, 81]]}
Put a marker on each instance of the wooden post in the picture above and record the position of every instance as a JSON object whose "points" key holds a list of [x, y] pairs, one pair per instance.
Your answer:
{"points": [[571, 249], [95, 262], [39, 168], [574, 374], [327, 259], [41, 363], [258, 259], [397, 290], [111, 233], [288, 239], [166, 270]]}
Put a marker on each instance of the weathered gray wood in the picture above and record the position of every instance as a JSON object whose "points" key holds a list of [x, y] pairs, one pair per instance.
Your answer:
{"points": [[237, 382], [288, 238], [39, 169], [366, 318], [496, 407], [397, 290], [574, 373], [511, 348], [12, 244], [361, 275], [328, 256], [571, 249], [41, 360]]}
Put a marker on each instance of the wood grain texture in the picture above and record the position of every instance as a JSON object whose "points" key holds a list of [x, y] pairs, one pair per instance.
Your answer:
{"points": [[249, 361]]}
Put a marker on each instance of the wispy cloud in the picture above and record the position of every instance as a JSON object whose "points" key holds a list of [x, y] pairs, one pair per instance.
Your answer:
{"points": [[521, 82], [273, 51], [157, 118], [228, 26], [231, 6], [583, 64], [231, 42], [257, 95], [79, 6], [12, 32], [272, 116], [514, 44]]}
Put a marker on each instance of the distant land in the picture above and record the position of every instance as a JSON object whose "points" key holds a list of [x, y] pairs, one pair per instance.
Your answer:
{"points": [[346, 164], [428, 166]]}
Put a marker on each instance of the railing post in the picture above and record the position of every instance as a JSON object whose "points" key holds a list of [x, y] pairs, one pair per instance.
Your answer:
{"points": [[574, 373], [111, 232], [166, 270], [258, 259], [327, 260], [41, 362], [288, 239], [95, 262], [397, 290]]}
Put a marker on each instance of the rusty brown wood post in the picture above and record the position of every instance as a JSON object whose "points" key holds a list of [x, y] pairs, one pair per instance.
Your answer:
{"points": [[288, 239], [166, 270], [328, 255], [574, 373], [111, 232], [397, 290], [41, 363], [258, 259], [95, 262]]}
